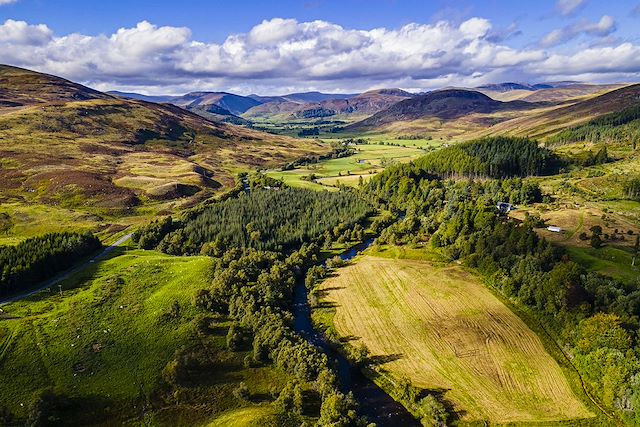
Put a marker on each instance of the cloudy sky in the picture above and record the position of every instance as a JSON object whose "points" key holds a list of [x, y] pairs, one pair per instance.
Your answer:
{"points": [[169, 47]]}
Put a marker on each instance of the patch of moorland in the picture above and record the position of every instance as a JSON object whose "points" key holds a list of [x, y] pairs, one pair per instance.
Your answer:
{"points": [[111, 161]]}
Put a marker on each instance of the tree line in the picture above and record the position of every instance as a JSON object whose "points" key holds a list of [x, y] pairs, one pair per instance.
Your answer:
{"points": [[632, 188], [255, 288], [33, 260]]}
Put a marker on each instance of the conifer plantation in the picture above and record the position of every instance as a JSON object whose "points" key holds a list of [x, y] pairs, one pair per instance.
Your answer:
{"points": [[36, 259], [273, 219], [496, 157]]}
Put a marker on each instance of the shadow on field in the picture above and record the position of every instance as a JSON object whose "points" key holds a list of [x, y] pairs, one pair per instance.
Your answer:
{"points": [[325, 304], [384, 358], [326, 291], [347, 338]]}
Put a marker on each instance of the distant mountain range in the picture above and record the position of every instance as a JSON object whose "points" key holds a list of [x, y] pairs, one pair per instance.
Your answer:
{"points": [[307, 105], [113, 148], [509, 86], [238, 109], [303, 97], [229, 104]]}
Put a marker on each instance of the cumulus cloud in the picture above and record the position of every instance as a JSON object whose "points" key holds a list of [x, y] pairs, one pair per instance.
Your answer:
{"points": [[604, 27], [20, 33], [281, 55], [568, 7]]}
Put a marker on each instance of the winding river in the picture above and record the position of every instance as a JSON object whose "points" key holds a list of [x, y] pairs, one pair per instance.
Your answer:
{"points": [[373, 402]]}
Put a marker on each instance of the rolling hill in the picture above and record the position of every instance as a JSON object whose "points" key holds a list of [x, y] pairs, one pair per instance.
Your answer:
{"points": [[65, 146], [362, 105], [140, 97], [545, 122], [19, 88], [448, 104], [302, 97], [565, 93], [215, 102], [550, 94], [511, 86]]}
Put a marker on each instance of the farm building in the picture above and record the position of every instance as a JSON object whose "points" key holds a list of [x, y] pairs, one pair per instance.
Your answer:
{"points": [[504, 207]]}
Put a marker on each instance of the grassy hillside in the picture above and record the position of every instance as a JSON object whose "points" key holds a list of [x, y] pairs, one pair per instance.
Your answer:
{"points": [[548, 121], [459, 115], [19, 88], [368, 159], [550, 94], [105, 342], [81, 154], [442, 329]]}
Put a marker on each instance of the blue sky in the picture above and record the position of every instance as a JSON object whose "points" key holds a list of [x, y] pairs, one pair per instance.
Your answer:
{"points": [[170, 47]]}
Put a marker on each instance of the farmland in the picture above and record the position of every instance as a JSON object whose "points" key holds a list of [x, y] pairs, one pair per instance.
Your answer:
{"points": [[367, 160], [437, 325]]}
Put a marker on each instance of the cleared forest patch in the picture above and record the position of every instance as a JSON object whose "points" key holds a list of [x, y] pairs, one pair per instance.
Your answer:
{"points": [[446, 332]]}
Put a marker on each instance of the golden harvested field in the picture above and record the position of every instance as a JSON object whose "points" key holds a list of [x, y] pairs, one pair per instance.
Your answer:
{"points": [[444, 330]]}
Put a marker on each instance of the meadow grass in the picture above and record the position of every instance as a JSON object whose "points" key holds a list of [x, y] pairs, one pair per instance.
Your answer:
{"points": [[443, 329], [243, 417], [105, 341], [608, 260], [368, 160]]}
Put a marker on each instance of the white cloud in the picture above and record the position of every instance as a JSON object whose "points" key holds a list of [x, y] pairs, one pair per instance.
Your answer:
{"points": [[604, 27], [20, 33], [567, 7], [624, 58], [280, 55], [3, 2]]}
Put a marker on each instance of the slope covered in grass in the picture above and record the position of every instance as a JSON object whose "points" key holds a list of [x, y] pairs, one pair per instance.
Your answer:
{"points": [[105, 343]]}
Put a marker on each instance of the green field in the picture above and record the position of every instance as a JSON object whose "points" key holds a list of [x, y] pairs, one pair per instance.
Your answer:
{"points": [[610, 261], [244, 417], [440, 327], [105, 342], [368, 160]]}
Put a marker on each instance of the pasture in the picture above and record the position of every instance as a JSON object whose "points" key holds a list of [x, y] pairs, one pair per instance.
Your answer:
{"points": [[439, 326], [368, 160], [106, 341]]}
